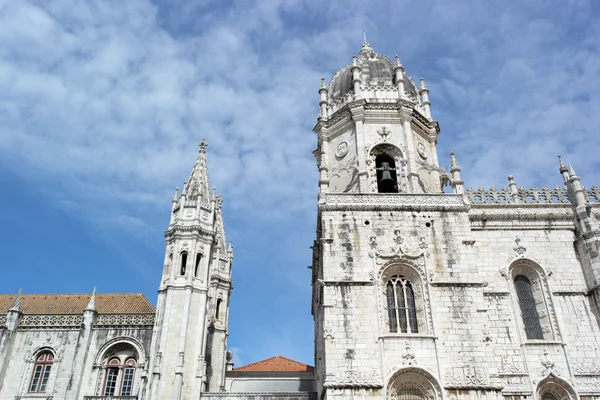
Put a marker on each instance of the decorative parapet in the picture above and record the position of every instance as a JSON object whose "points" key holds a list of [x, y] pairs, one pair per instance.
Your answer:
{"points": [[2, 320], [260, 396], [125, 319], [37, 321], [521, 195], [393, 202]]}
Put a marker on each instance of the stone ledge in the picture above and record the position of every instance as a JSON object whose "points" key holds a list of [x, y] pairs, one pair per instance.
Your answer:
{"points": [[392, 202]]}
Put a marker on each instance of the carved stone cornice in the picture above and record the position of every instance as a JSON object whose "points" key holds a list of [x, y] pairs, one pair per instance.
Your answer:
{"points": [[188, 229], [393, 202], [344, 283]]}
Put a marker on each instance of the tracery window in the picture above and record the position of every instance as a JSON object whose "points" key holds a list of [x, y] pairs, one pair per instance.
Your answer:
{"points": [[529, 312], [402, 312], [41, 372], [531, 293]]}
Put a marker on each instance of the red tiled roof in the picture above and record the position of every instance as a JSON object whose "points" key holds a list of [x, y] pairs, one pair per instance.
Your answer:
{"points": [[276, 364], [109, 303]]}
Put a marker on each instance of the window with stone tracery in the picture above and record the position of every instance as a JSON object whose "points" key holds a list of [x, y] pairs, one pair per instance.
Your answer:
{"points": [[41, 372], [529, 313], [529, 290], [402, 312]]}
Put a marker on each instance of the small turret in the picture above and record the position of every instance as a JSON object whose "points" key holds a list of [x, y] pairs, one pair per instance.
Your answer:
{"points": [[399, 75], [323, 103], [13, 315], [356, 77], [424, 92], [457, 182]]}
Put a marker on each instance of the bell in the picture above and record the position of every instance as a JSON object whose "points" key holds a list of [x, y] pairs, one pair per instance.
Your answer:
{"points": [[386, 176]]}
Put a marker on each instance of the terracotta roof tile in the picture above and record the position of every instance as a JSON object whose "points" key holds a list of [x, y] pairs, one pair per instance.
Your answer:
{"points": [[276, 364], [109, 303]]}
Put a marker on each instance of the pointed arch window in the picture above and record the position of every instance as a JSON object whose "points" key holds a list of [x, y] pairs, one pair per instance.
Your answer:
{"points": [[182, 266], [402, 312], [41, 372], [529, 312], [387, 181]]}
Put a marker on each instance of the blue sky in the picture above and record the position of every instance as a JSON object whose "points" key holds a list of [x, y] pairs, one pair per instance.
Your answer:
{"points": [[103, 104]]}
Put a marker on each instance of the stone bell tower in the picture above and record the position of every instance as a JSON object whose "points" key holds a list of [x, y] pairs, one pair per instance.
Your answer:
{"points": [[190, 335], [377, 157], [375, 130]]}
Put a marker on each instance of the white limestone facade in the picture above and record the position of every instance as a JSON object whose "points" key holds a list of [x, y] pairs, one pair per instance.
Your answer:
{"points": [[421, 294]]}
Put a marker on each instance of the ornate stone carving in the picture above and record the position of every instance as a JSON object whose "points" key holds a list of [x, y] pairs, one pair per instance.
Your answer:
{"points": [[422, 151], [519, 248], [384, 132], [509, 366], [394, 202], [408, 358], [586, 368], [351, 377], [591, 383], [466, 376], [342, 149], [400, 248]]}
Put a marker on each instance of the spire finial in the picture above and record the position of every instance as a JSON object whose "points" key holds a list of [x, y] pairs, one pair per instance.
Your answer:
{"points": [[365, 37], [561, 165], [16, 306], [423, 84], [203, 145], [453, 163], [323, 83], [92, 304]]}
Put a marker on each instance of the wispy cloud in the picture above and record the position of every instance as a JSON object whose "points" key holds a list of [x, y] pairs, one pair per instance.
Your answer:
{"points": [[103, 102]]}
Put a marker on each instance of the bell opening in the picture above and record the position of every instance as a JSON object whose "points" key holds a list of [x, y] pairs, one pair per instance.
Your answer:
{"points": [[387, 181]]}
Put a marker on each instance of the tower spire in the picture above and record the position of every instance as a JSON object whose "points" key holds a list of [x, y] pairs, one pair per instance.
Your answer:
{"points": [[197, 185]]}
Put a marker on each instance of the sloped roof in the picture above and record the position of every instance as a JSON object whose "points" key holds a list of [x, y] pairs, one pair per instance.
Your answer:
{"points": [[276, 364], [55, 304]]}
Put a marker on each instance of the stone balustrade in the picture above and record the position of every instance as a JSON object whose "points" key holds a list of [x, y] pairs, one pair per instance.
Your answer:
{"points": [[533, 195]]}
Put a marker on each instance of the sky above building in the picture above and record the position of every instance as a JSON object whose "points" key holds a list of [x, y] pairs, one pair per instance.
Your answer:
{"points": [[103, 103]]}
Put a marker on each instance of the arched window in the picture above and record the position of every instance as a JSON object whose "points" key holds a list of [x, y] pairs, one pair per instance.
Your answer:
{"points": [[41, 372], [218, 309], [529, 312], [183, 263], [197, 265], [118, 374], [548, 396], [402, 312], [407, 393], [413, 384], [387, 181]]}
